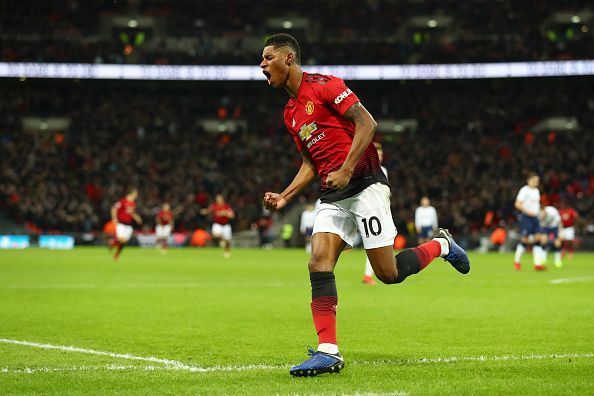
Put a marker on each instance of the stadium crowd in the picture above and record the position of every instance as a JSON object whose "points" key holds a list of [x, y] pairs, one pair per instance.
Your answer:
{"points": [[470, 160], [215, 32]]}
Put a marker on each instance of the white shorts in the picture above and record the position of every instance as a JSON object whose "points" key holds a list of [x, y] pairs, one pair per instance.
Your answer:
{"points": [[568, 234], [367, 214], [222, 231], [163, 230], [124, 231]]}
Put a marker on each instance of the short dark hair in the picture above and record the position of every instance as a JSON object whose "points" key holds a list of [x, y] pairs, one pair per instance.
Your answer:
{"points": [[531, 175], [280, 40]]}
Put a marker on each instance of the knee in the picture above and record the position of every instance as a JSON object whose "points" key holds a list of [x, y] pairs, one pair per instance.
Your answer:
{"points": [[319, 263], [387, 277]]}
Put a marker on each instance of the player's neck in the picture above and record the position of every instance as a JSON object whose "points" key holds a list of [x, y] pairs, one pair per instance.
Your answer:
{"points": [[294, 81]]}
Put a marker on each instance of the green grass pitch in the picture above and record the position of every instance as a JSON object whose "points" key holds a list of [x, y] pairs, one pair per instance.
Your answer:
{"points": [[192, 322]]}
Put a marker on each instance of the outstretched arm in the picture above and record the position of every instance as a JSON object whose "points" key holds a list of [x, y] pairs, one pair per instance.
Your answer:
{"points": [[306, 174], [364, 130], [137, 218]]}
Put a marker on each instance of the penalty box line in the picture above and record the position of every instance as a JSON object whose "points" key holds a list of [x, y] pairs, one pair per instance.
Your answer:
{"points": [[177, 365]]}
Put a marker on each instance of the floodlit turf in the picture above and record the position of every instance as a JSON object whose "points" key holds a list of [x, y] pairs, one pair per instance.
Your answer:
{"points": [[235, 326]]}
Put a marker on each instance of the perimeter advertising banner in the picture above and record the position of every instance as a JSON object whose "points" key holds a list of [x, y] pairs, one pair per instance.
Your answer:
{"points": [[56, 242], [14, 241], [346, 72]]}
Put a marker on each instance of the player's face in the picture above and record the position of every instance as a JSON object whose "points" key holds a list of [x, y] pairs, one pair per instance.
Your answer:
{"points": [[219, 199], [275, 66], [533, 181], [166, 207], [424, 201]]}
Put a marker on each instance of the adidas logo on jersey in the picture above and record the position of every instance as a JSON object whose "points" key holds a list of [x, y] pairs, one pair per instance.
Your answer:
{"points": [[342, 96]]}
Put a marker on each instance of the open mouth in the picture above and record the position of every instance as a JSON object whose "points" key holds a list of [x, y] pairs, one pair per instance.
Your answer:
{"points": [[267, 75]]}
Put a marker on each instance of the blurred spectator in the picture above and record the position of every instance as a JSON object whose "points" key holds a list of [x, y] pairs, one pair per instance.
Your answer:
{"points": [[348, 32], [468, 152]]}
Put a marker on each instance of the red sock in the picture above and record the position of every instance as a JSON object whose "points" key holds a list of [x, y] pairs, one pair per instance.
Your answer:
{"points": [[427, 252], [323, 310]]}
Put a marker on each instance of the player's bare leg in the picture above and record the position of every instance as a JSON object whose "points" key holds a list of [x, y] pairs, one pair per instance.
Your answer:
{"points": [[568, 248], [326, 248], [383, 263], [226, 248], [162, 245], [392, 269], [119, 245], [111, 243]]}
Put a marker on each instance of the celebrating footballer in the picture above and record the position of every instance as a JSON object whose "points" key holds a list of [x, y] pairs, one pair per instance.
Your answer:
{"points": [[333, 132]]}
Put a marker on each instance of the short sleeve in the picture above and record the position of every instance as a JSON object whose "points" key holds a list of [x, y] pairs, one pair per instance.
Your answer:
{"points": [[521, 195], [337, 95]]}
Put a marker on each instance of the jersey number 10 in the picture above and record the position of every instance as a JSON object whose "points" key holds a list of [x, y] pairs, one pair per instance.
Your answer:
{"points": [[373, 225]]}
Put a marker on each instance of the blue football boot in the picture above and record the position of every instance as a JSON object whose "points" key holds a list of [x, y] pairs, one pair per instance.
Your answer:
{"points": [[457, 257], [318, 363]]}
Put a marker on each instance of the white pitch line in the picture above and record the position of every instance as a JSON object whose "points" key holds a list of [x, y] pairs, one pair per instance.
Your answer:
{"points": [[94, 352], [453, 359], [572, 280], [113, 367], [177, 365], [109, 367], [151, 285]]}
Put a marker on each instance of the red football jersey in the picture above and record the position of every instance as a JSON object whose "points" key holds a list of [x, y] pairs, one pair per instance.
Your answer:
{"points": [[568, 216], [164, 217], [125, 209], [315, 119], [218, 213]]}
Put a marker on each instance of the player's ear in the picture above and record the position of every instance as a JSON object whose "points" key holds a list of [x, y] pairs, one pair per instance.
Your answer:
{"points": [[290, 58]]}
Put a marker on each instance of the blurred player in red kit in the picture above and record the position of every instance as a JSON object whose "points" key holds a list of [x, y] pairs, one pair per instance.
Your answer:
{"points": [[164, 226], [333, 133], [123, 214], [222, 214], [568, 217]]}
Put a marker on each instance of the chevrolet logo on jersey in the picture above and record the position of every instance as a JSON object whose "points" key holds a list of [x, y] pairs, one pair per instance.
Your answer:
{"points": [[306, 130]]}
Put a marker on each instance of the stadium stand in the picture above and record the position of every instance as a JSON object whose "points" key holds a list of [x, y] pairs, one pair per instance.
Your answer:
{"points": [[470, 159], [215, 32]]}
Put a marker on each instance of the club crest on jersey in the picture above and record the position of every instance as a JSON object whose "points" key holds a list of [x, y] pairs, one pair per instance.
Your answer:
{"points": [[309, 107], [306, 130]]}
